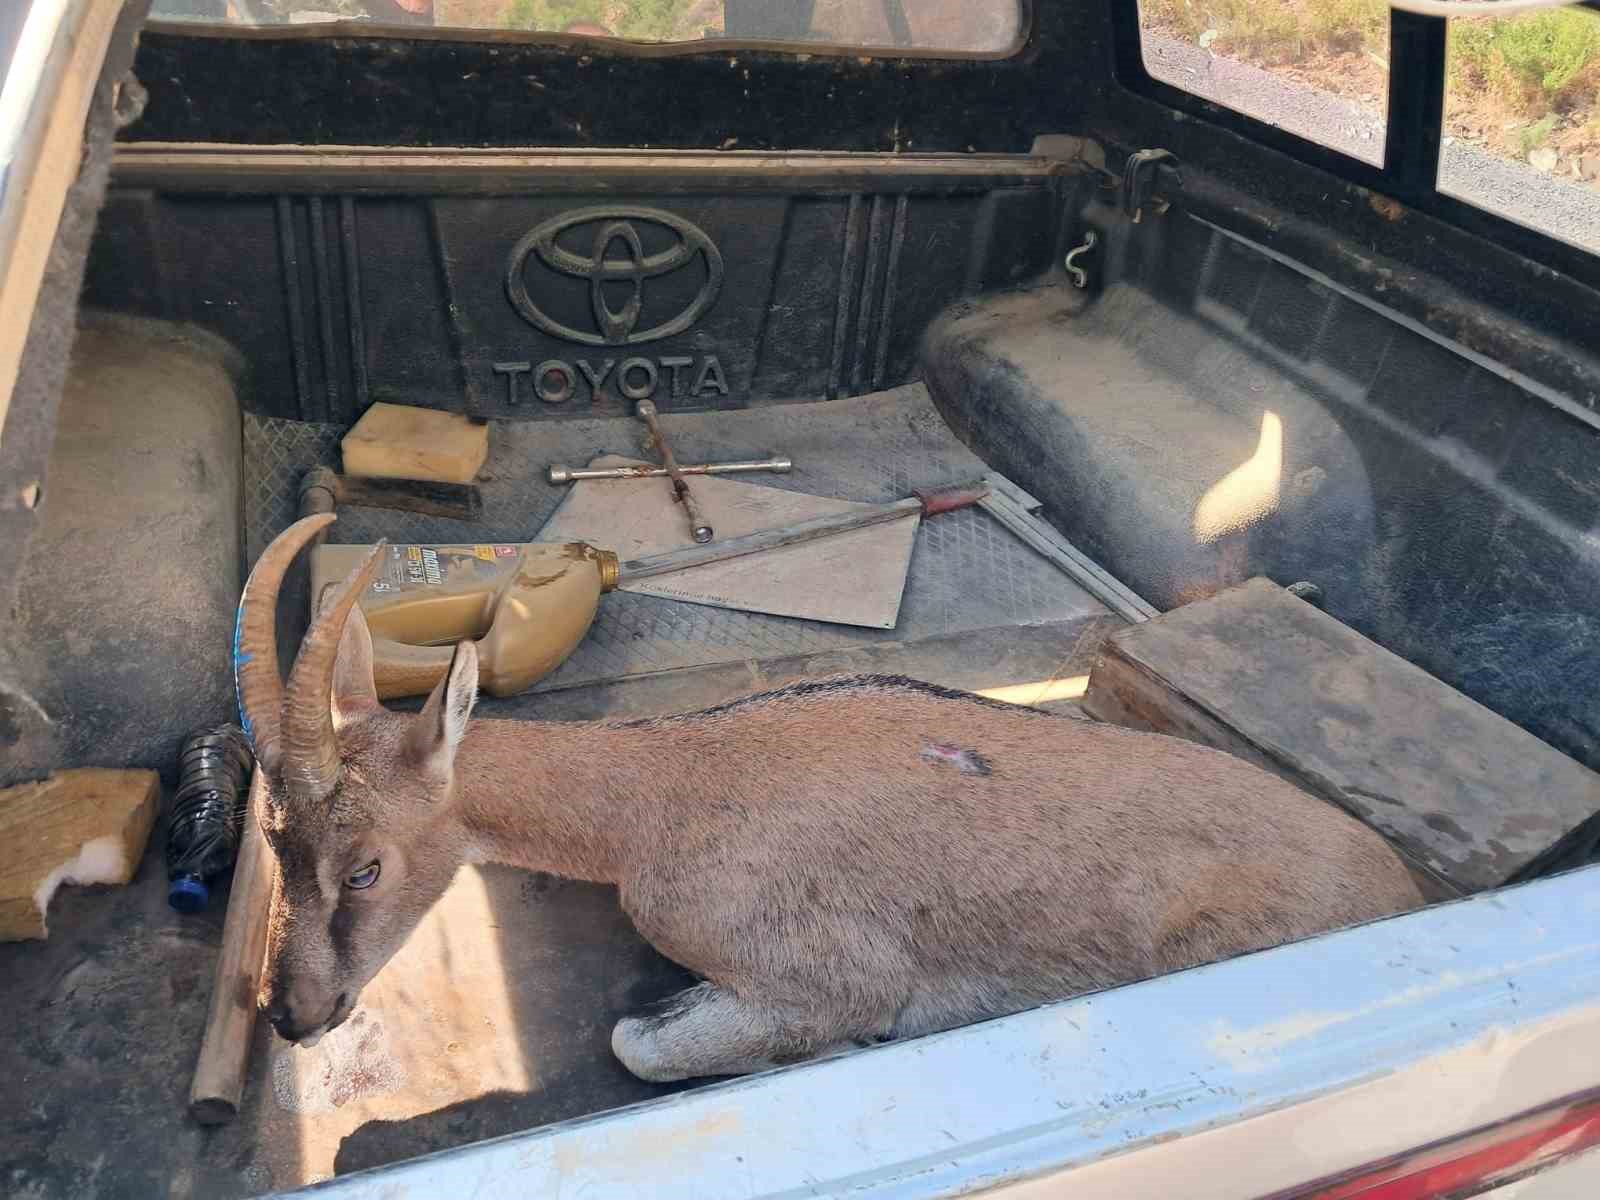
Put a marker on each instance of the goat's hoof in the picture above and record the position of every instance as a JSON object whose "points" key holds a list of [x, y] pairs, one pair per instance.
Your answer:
{"points": [[634, 1043]]}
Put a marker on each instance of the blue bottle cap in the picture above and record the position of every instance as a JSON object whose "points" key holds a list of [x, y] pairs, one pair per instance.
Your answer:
{"points": [[188, 894]]}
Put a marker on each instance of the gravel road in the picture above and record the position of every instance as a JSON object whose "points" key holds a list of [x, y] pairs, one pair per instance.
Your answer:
{"points": [[1560, 207]]}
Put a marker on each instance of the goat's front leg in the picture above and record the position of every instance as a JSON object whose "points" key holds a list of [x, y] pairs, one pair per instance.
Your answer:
{"points": [[709, 1031]]}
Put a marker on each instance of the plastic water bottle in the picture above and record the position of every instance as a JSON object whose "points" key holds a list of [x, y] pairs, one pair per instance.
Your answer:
{"points": [[207, 813]]}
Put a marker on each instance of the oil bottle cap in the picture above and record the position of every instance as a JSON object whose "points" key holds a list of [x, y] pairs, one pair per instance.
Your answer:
{"points": [[188, 894]]}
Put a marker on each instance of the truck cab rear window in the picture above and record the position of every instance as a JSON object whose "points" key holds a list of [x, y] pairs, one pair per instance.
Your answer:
{"points": [[1315, 68], [955, 26]]}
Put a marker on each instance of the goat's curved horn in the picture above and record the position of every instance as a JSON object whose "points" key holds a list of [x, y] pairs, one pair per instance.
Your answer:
{"points": [[311, 750], [255, 641]]}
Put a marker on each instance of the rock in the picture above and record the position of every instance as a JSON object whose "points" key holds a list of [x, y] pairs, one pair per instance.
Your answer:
{"points": [[1590, 165], [1543, 159]]}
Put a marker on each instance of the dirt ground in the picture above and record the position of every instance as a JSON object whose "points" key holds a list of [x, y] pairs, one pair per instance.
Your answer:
{"points": [[1571, 148]]}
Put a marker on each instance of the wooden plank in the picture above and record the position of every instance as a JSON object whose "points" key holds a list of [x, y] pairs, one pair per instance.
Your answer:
{"points": [[1464, 793], [84, 826], [219, 1074], [43, 107]]}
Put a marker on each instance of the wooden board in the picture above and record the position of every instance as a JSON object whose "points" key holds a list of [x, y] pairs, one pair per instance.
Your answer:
{"points": [[1463, 792], [394, 441], [86, 826], [219, 1073], [854, 578]]}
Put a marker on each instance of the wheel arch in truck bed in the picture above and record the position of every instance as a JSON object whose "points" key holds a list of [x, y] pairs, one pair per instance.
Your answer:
{"points": [[1214, 413]]}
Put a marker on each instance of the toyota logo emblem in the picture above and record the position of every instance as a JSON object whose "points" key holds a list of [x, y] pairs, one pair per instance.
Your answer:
{"points": [[616, 256]]}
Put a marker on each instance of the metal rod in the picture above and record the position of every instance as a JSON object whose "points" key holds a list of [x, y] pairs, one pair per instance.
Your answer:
{"points": [[780, 466], [928, 503], [1003, 505], [698, 528]]}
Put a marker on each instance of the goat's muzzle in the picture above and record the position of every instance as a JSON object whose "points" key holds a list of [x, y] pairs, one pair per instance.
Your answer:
{"points": [[290, 1021]]}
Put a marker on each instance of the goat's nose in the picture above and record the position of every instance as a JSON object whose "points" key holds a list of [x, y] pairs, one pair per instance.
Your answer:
{"points": [[280, 1017], [289, 1011], [300, 1010]]}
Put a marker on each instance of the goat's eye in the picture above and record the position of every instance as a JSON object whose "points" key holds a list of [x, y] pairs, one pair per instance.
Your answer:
{"points": [[364, 878]]}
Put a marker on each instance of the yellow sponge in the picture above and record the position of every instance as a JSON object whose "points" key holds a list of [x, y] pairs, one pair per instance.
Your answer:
{"points": [[398, 442]]}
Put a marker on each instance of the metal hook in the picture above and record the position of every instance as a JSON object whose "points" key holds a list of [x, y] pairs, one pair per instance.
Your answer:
{"points": [[1080, 277]]}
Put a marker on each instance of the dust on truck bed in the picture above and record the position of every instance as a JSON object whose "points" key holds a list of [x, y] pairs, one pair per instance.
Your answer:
{"points": [[497, 1015]]}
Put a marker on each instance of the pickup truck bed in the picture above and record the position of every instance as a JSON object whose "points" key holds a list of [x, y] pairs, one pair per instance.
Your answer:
{"points": [[1213, 350]]}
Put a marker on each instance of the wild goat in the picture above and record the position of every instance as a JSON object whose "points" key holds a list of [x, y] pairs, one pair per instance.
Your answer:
{"points": [[841, 862]]}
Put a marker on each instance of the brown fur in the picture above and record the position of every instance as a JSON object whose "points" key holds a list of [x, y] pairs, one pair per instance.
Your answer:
{"points": [[842, 861]]}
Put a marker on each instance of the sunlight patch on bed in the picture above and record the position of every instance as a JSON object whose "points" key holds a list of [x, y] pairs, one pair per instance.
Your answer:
{"points": [[1041, 691], [436, 1028]]}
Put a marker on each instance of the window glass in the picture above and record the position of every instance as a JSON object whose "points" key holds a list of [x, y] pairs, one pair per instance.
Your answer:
{"points": [[969, 26], [1522, 120], [1316, 68]]}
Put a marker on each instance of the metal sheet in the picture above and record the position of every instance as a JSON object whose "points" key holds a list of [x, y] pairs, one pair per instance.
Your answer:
{"points": [[854, 578]]}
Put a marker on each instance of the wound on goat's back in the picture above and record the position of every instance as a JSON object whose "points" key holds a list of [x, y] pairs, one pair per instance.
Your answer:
{"points": [[968, 762]]}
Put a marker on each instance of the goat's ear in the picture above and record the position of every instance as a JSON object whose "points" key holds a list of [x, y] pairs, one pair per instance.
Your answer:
{"points": [[442, 723], [354, 692]]}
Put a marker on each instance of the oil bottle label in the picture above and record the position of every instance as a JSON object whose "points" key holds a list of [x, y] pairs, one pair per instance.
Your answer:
{"points": [[409, 567], [422, 566], [392, 575]]}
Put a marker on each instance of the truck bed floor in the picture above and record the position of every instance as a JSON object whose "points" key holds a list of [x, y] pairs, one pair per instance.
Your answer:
{"points": [[496, 1016]]}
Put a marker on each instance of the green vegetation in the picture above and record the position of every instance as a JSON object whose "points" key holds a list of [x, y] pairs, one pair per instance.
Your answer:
{"points": [[1274, 31], [1531, 137], [1534, 63], [1517, 83]]}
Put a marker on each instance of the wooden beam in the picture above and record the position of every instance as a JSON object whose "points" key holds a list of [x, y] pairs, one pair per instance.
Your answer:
{"points": [[219, 1073], [1474, 800]]}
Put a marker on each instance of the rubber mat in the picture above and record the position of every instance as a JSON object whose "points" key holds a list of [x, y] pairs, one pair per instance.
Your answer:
{"points": [[967, 571]]}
